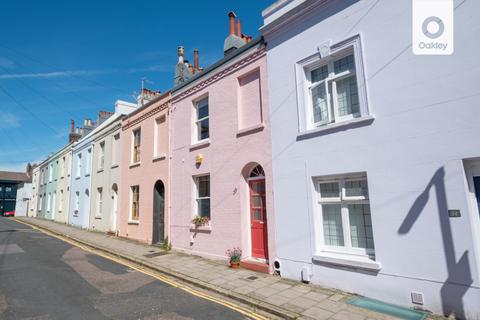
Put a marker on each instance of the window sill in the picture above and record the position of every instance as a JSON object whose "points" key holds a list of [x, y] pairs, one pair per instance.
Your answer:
{"points": [[160, 157], [332, 127], [114, 166], [98, 217], [99, 170], [133, 222], [62, 177], [252, 129], [87, 175], [136, 164], [348, 260], [77, 178], [200, 144], [205, 228]]}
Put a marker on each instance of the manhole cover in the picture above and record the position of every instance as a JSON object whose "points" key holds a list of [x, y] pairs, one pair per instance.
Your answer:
{"points": [[156, 254], [252, 278]]}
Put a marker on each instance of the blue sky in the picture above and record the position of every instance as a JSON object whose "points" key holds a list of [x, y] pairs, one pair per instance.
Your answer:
{"points": [[64, 59]]}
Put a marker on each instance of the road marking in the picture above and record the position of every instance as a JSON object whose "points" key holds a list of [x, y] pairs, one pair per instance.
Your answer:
{"points": [[146, 271]]}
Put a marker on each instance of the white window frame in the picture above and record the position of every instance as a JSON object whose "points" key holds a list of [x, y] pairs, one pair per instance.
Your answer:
{"points": [[79, 165], [130, 214], [343, 201], [303, 70], [156, 137], [101, 156], [63, 167], [99, 202], [115, 149], [49, 202], [197, 197], [88, 162], [77, 203], [60, 205], [197, 121], [50, 172], [132, 152]]}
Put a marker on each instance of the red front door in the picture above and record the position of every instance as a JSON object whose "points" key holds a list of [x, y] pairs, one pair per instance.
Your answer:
{"points": [[258, 218]]}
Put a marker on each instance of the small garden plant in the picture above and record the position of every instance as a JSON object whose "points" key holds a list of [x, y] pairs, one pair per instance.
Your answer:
{"points": [[234, 254], [200, 221]]}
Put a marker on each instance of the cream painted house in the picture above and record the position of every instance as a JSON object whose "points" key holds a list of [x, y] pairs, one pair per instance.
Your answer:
{"points": [[105, 204]]}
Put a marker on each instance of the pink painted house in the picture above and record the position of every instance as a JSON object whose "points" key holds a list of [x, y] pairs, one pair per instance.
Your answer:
{"points": [[145, 156], [221, 155]]}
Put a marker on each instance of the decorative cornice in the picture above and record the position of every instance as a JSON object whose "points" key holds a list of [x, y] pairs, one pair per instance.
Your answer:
{"points": [[132, 122], [257, 54]]}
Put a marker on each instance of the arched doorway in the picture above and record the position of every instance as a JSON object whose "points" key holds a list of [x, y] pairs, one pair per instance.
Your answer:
{"points": [[114, 214], [158, 212], [258, 213]]}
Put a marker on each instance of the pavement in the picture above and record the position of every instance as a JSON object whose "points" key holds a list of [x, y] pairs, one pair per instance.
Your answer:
{"points": [[281, 298], [42, 277]]}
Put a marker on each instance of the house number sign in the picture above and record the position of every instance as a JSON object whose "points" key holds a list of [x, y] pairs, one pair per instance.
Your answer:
{"points": [[454, 213]]}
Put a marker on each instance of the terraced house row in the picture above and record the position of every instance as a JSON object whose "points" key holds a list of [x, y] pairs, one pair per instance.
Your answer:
{"points": [[323, 148]]}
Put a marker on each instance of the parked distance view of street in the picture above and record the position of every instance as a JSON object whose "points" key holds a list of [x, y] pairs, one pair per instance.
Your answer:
{"points": [[267, 159], [42, 277]]}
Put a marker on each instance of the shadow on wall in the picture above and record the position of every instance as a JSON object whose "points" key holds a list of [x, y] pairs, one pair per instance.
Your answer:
{"points": [[459, 276]]}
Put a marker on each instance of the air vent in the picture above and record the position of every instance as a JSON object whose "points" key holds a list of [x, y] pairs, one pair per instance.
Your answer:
{"points": [[417, 297]]}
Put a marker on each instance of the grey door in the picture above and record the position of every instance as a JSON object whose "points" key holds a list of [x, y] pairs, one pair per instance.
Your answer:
{"points": [[158, 212]]}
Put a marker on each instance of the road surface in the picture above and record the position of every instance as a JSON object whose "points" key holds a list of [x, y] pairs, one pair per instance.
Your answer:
{"points": [[42, 278]]}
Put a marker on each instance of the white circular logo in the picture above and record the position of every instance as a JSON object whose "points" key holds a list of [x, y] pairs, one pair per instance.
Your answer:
{"points": [[438, 22]]}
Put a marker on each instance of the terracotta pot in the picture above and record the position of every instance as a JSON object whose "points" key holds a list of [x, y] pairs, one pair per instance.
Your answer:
{"points": [[234, 264]]}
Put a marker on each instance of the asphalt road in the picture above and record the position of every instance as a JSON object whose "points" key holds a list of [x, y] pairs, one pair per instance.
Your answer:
{"points": [[42, 277]]}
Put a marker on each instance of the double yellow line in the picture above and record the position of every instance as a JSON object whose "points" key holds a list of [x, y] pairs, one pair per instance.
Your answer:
{"points": [[173, 283]]}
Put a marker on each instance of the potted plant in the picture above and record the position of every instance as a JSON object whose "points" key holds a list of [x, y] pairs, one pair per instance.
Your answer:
{"points": [[235, 255], [200, 221]]}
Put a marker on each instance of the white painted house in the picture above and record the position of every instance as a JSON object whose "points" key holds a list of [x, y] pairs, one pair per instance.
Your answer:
{"points": [[376, 156]]}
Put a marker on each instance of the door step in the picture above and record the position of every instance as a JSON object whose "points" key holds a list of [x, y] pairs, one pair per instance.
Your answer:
{"points": [[255, 266]]}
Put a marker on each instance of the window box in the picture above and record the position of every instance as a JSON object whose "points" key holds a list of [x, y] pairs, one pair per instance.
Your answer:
{"points": [[206, 228]]}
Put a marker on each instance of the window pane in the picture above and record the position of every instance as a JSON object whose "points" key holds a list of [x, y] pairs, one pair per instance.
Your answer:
{"points": [[258, 187], [204, 207], [203, 186], [332, 225], [347, 96], [347, 63], [204, 131], [360, 226], [257, 214], [319, 102], [202, 111], [256, 201], [356, 188], [329, 190], [319, 74]]}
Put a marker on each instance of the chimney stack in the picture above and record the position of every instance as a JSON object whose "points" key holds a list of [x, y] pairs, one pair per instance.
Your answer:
{"points": [[232, 16], [181, 53], [72, 130], [239, 28], [195, 60]]}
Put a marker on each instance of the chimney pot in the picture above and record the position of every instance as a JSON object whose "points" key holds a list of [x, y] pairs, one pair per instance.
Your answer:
{"points": [[232, 16], [181, 52], [73, 126], [239, 28], [195, 59]]}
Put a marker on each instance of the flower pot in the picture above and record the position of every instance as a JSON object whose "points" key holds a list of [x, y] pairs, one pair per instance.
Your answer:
{"points": [[234, 264]]}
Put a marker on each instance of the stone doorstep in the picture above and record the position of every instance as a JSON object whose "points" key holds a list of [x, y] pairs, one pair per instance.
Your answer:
{"points": [[259, 304]]}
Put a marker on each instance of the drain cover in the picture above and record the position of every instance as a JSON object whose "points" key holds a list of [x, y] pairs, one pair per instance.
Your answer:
{"points": [[156, 254], [252, 278]]}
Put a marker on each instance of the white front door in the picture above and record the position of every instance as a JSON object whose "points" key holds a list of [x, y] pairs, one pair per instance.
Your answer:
{"points": [[114, 211]]}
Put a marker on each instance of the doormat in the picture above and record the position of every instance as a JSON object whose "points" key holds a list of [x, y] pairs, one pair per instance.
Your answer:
{"points": [[156, 254], [386, 308]]}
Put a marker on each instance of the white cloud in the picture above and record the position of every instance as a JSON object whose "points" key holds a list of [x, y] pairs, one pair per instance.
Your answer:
{"points": [[9, 120], [6, 63]]}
